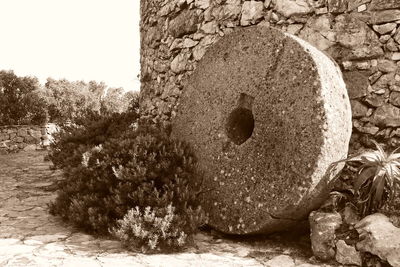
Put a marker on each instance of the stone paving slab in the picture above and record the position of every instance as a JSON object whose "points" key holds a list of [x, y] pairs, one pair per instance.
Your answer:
{"points": [[30, 236]]}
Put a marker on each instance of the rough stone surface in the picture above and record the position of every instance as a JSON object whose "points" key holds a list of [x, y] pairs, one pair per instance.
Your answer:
{"points": [[292, 7], [323, 227], [318, 31], [358, 109], [385, 65], [384, 4], [357, 83], [337, 6], [347, 255], [379, 237], [30, 236], [385, 28], [384, 16], [249, 132], [29, 137], [252, 11], [356, 39], [203, 4], [184, 23], [387, 116]]}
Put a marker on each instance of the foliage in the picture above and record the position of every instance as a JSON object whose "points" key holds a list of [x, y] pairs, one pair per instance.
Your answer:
{"points": [[119, 178], [377, 178], [74, 139], [155, 229], [20, 102], [73, 100]]}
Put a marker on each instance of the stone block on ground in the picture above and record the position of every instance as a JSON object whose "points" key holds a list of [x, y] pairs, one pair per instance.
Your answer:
{"points": [[323, 226], [379, 237], [266, 114]]}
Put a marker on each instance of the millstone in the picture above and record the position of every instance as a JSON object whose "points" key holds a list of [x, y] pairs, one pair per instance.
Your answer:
{"points": [[266, 114]]}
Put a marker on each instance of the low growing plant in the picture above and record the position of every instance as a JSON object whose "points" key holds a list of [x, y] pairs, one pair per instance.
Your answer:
{"points": [[154, 229], [139, 184], [377, 178]]}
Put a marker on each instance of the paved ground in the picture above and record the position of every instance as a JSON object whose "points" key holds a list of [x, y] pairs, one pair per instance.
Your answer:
{"points": [[30, 236]]}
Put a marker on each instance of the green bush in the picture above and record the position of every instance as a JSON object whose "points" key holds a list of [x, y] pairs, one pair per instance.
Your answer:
{"points": [[116, 176]]}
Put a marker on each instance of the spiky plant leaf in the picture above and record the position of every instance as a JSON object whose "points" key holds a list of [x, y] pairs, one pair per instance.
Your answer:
{"points": [[363, 176]]}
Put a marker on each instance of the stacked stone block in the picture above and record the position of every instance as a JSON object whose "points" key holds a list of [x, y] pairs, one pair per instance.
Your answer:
{"points": [[17, 137], [362, 36]]}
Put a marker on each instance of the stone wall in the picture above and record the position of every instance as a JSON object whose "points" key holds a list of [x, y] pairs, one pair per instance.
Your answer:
{"points": [[28, 137], [363, 37]]}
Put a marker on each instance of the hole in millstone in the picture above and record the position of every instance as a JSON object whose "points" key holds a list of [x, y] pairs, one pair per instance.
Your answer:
{"points": [[240, 124]]}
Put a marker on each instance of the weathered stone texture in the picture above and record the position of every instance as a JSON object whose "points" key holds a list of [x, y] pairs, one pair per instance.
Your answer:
{"points": [[16, 137], [184, 23], [360, 35], [287, 100], [384, 4], [323, 227], [379, 237]]}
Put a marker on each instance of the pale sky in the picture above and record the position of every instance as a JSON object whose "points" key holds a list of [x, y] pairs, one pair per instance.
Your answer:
{"points": [[73, 39]]}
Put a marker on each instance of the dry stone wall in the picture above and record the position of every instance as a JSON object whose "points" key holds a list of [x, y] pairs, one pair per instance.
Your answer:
{"points": [[362, 36], [25, 137]]}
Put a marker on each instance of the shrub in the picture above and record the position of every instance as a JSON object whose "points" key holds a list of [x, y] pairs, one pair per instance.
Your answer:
{"points": [[159, 228], [74, 139], [119, 182], [377, 178]]}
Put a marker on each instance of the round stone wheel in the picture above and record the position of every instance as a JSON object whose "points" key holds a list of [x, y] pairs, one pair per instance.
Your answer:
{"points": [[266, 114]]}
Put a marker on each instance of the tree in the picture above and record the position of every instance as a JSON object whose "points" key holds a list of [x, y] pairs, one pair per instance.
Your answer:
{"points": [[20, 102], [70, 100]]}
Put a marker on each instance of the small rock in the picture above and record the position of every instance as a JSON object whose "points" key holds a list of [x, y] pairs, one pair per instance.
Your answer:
{"points": [[387, 116], [347, 255], [349, 214], [289, 8], [391, 45], [358, 110], [375, 100], [280, 261], [357, 83], [396, 56], [362, 8], [252, 11], [210, 27], [179, 64], [323, 227], [395, 98], [383, 83], [337, 6], [184, 23], [321, 11], [372, 130], [385, 65], [384, 38], [384, 16], [353, 4], [379, 237], [357, 40], [188, 43], [203, 4], [394, 88], [267, 3], [384, 28], [384, 4], [294, 28], [200, 49], [365, 65]]}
